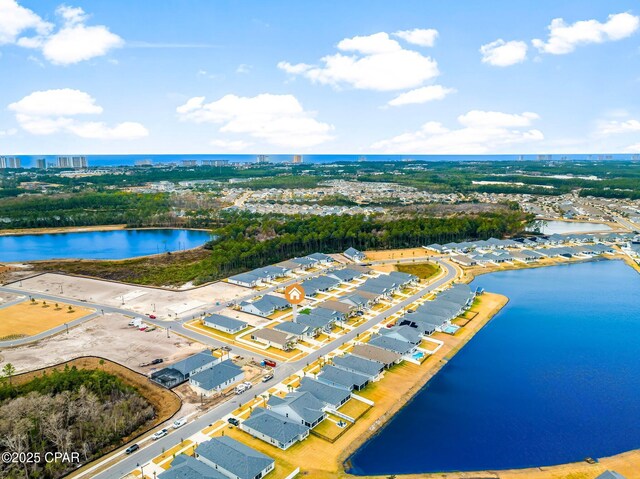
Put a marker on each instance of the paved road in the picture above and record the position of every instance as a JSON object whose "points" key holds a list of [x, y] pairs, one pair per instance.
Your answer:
{"points": [[153, 449]]}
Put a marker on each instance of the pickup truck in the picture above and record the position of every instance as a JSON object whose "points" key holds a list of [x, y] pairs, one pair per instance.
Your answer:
{"points": [[159, 434]]}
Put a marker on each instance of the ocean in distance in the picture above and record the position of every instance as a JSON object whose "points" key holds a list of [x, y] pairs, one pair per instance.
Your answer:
{"points": [[130, 160], [553, 378]]}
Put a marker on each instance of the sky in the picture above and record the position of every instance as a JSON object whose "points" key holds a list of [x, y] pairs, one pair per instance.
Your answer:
{"points": [[356, 77]]}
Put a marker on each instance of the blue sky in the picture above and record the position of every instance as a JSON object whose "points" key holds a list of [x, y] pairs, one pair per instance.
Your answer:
{"points": [[361, 77]]}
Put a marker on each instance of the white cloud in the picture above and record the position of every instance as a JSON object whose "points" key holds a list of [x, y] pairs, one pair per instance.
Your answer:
{"points": [[500, 131], [502, 54], [634, 148], [231, 145], [243, 68], [54, 111], [614, 127], [74, 41], [564, 38], [374, 62], [15, 19], [425, 37], [277, 119], [422, 95], [9, 132]]}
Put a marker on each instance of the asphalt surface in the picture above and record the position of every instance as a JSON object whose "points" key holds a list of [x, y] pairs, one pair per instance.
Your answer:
{"points": [[150, 449]]}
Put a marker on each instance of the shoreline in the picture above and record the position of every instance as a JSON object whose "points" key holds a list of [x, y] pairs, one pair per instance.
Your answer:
{"points": [[88, 229]]}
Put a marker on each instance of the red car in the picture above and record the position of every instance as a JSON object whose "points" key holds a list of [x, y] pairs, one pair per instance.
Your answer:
{"points": [[152, 316]]}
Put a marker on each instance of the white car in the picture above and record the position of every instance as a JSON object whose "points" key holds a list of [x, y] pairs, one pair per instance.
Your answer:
{"points": [[179, 422], [159, 434], [247, 385], [240, 388]]}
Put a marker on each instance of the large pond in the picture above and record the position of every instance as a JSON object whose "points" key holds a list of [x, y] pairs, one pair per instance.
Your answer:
{"points": [[553, 378], [562, 227], [116, 244]]}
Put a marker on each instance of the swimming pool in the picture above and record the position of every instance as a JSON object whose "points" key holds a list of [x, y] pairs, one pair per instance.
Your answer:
{"points": [[451, 329], [418, 355]]}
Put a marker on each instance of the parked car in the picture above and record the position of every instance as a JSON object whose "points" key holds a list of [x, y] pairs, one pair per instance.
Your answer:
{"points": [[268, 377], [179, 422], [131, 449], [359, 313], [247, 385], [269, 362], [234, 421], [152, 316], [240, 388], [159, 434], [157, 361]]}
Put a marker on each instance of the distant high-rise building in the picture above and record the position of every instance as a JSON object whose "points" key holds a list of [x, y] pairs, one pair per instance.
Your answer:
{"points": [[143, 162], [189, 163], [72, 162], [41, 163], [297, 159], [10, 162], [262, 159]]}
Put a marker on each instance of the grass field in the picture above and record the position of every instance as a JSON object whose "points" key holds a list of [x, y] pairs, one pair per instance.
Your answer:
{"points": [[27, 318], [421, 270]]}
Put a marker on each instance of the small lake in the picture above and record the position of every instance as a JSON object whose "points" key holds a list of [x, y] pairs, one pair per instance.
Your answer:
{"points": [[115, 244], [562, 227], [553, 378]]}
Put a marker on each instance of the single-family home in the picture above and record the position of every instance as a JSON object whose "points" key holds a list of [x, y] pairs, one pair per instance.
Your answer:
{"points": [[321, 258], [300, 331], [180, 371], [272, 337], [216, 379], [366, 367], [234, 459], [402, 333], [248, 280], [394, 345], [187, 467], [302, 407], [331, 396], [334, 376], [354, 255], [374, 353], [265, 306], [274, 428], [224, 323]]}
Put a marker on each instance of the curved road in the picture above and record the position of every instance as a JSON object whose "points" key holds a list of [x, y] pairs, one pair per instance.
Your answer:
{"points": [[151, 449]]}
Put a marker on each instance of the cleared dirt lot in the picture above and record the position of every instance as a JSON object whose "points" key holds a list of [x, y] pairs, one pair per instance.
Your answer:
{"points": [[140, 299], [28, 318], [106, 336]]}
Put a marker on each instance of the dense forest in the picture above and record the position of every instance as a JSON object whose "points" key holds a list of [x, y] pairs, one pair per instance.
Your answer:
{"points": [[73, 410], [248, 241]]}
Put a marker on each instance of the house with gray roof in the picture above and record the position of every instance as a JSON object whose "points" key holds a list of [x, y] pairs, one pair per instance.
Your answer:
{"points": [[402, 333], [300, 331], [179, 372], [610, 475], [248, 280], [321, 258], [356, 300], [354, 255], [319, 284], [187, 467], [304, 262], [302, 407], [366, 367], [438, 248], [332, 396], [403, 278], [464, 260], [315, 322], [346, 275], [337, 377], [216, 379], [234, 459], [224, 323], [424, 326], [265, 306], [339, 310], [394, 345], [274, 428]]}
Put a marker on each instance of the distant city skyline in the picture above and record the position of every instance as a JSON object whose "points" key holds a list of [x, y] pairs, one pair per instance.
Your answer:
{"points": [[285, 77]]}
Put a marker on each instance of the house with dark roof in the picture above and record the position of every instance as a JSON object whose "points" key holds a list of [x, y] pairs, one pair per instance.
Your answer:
{"points": [[397, 346], [187, 467], [366, 367], [334, 376], [302, 407], [216, 379], [331, 396], [179, 372], [274, 428], [354, 255], [265, 306], [224, 323], [234, 459]]}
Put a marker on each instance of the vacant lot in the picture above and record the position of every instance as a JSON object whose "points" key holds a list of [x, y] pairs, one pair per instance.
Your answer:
{"points": [[421, 270], [28, 318]]}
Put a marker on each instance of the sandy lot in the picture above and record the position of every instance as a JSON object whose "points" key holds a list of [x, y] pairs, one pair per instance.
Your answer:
{"points": [[28, 318], [133, 297], [106, 336], [397, 254]]}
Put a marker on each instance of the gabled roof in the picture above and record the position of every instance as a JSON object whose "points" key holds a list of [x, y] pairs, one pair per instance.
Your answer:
{"points": [[305, 404], [292, 328], [225, 322], [369, 351], [193, 362], [346, 274], [235, 457], [391, 344], [320, 257], [353, 253], [355, 299], [314, 321], [361, 365], [327, 394], [217, 375], [274, 425], [186, 467], [270, 302], [348, 379], [304, 261], [271, 335], [245, 278], [403, 333], [610, 475]]}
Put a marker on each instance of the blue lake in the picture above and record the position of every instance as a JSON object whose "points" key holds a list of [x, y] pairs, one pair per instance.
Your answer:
{"points": [[553, 378], [117, 244]]}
